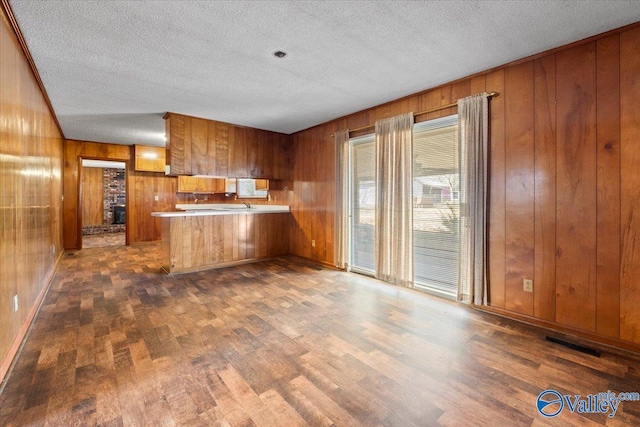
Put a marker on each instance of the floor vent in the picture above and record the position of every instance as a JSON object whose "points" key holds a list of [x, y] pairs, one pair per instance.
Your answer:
{"points": [[586, 350]]}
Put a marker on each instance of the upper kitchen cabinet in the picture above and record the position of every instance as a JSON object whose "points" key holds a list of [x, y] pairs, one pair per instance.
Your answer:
{"points": [[178, 134], [206, 147], [149, 159]]}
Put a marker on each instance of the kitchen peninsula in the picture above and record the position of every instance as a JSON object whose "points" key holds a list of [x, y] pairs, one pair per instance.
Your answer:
{"points": [[221, 235]]}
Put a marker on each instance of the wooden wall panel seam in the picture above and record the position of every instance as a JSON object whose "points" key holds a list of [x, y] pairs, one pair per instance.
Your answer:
{"points": [[579, 305]]}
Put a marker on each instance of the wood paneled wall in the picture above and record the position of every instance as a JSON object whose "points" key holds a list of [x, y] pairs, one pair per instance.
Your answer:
{"points": [[564, 184], [142, 187], [92, 196], [195, 243], [30, 196]]}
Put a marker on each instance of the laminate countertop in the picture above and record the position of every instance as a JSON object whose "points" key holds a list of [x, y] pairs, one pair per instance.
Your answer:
{"points": [[221, 209]]}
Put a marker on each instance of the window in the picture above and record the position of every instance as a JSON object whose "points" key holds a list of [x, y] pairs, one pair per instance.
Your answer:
{"points": [[363, 204], [436, 206]]}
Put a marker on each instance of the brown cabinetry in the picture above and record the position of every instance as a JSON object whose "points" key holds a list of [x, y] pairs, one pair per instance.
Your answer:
{"points": [[149, 159], [193, 184], [206, 147]]}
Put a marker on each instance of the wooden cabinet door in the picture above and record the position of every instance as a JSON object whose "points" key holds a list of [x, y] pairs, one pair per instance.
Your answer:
{"points": [[219, 148], [178, 134], [202, 185], [262, 184], [207, 147], [186, 184], [149, 159], [200, 164], [238, 154]]}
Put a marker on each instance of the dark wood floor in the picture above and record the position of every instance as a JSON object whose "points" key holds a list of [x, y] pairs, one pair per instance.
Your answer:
{"points": [[283, 342]]}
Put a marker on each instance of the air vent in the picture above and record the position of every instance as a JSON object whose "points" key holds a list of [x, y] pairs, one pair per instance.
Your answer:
{"points": [[573, 346]]}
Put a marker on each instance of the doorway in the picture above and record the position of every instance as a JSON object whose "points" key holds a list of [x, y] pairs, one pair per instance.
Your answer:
{"points": [[102, 207]]}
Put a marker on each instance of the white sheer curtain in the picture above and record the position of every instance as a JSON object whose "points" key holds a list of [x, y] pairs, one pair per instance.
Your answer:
{"points": [[473, 119], [394, 200], [342, 199]]}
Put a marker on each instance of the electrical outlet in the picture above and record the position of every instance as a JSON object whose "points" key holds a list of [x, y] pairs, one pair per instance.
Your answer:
{"points": [[313, 243], [156, 198], [15, 303], [527, 285]]}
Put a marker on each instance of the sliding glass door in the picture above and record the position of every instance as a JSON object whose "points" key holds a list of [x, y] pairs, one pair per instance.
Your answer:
{"points": [[436, 205], [363, 202]]}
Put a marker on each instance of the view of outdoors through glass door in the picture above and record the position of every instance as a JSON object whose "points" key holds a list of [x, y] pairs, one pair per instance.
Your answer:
{"points": [[363, 201], [436, 205]]}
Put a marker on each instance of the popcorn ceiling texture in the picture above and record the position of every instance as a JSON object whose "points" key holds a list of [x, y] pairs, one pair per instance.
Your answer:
{"points": [[113, 68]]}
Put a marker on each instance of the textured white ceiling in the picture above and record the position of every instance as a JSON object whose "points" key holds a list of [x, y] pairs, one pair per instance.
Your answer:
{"points": [[112, 68]]}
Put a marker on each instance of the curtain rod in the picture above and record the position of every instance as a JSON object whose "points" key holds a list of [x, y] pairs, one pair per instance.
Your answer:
{"points": [[442, 107]]}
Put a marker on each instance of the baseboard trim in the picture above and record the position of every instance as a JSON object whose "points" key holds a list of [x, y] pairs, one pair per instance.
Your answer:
{"points": [[16, 347], [592, 338]]}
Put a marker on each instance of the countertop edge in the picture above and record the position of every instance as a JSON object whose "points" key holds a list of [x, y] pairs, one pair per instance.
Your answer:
{"points": [[215, 212]]}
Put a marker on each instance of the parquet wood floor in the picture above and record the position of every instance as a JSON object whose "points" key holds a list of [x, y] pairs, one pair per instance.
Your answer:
{"points": [[283, 343]]}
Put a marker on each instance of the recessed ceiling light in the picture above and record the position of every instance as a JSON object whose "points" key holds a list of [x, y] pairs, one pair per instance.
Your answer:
{"points": [[279, 54]]}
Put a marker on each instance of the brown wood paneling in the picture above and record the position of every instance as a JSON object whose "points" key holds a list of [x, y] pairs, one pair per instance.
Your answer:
{"points": [[520, 175], [539, 177], [608, 186], [239, 153], [92, 196], [576, 186], [212, 157], [199, 147], [544, 280], [268, 160], [74, 151], [252, 150], [630, 189], [221, 148], [142, 188], [497, 193], [209, 241], [242, 237], [178, 133], [478, 84], [31, 156]]}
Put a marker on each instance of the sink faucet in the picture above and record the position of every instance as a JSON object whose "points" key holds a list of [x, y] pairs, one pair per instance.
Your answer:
{"points": [[248, 205]]}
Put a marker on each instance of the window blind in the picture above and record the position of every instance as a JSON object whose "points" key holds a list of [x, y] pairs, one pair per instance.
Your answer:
{"points": [[436, 207]]}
